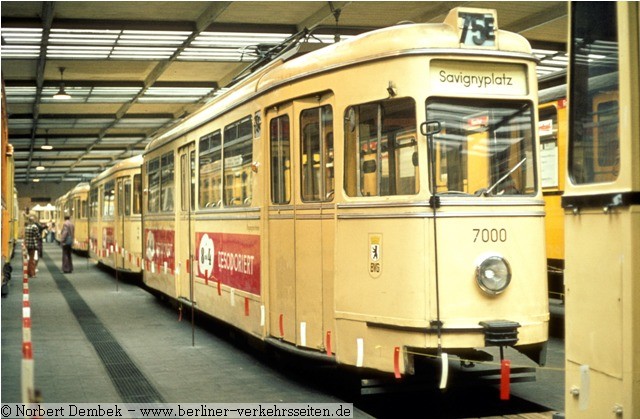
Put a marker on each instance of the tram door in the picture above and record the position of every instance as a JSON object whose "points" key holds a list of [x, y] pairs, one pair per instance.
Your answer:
{"points": [[301, 225], [123, 184], [282, 260], [185, 229]]}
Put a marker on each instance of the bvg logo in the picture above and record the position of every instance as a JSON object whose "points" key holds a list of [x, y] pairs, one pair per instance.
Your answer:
{"points": [[375, 255]]}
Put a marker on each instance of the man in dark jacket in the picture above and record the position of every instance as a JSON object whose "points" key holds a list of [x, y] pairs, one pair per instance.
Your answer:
{"points": [[66, 241]]}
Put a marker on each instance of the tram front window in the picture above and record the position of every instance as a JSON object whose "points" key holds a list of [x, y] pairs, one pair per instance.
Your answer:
{"points": [[485, 148]]}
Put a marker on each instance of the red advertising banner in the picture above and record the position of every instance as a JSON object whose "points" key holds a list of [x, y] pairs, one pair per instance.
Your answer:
{"points": [[232, 259], [159, 249], [93, 239], [108, 241]]}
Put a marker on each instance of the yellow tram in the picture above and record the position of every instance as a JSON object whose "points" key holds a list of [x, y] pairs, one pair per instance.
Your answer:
{"points": [[10, 212], [76, 205], [552, 127], [115, 213], [63, 206], [375, 202], [602, 212]]}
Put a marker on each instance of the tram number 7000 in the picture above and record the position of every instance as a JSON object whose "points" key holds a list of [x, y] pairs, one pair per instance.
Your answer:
{"points": [[490, 235]]}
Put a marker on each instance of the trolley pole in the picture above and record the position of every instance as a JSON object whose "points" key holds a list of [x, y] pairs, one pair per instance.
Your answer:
{"points": [[431, 128]]}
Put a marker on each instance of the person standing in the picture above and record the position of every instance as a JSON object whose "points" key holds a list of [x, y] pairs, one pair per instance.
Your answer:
{"points": [[31, 232], [66, 241], [52, 232], [39, 253]]}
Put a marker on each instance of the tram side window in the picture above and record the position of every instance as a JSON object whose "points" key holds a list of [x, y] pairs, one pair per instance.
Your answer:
{"points": [[183, 183], [210, 170], [192, 165], [93, 203], [121, 200], [381, 150], [280, 160], [127, 197], [238, 157], [548, 130], [594, 150], [153, 180], [210, 167], [166, 182], [316, 165], [137, 194], [108, 198], [83, 205]]}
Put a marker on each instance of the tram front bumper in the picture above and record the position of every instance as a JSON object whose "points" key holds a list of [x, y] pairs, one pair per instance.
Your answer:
{"points": [[500, 332]]}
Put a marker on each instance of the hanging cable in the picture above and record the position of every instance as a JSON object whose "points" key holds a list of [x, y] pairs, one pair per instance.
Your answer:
{"points": [[336, 16]]}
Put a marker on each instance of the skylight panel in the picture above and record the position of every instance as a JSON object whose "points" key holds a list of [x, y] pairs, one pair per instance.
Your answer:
{"points": [[20, 94], [20, 123], [153, 53], [237, 39], [141, 122], [215, 54], [78, 52], [20, 51], [174, 94], [21, 35], [84, 36], [130, 37]]}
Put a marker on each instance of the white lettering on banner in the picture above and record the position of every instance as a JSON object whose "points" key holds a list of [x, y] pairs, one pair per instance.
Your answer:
{"points": [[205, 258], [236, 262]]}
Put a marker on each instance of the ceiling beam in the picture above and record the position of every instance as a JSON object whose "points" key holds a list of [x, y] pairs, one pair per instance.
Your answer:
{"points": [[47, 18]]}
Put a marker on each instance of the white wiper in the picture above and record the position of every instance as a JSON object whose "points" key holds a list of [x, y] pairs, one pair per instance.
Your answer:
{"points": [[486, 192]]}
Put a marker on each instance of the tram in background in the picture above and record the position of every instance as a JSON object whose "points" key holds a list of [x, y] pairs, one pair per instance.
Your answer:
{"points": [[63, 208], [602, 212], [75, 204], [552, 127], [115, 212], [10, 212], [374, 224]]}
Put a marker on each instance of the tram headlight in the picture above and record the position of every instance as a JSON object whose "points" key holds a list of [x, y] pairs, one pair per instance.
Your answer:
{"points": [[493, 274]]}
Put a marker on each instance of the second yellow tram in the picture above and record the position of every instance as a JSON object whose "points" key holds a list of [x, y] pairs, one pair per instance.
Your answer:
{"points": [[115, 236], [552, 127]]}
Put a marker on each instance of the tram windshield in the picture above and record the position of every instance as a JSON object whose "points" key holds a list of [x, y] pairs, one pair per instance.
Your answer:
{"points": [[485, 148]]}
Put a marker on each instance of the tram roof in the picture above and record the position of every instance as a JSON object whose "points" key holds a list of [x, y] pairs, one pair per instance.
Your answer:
{"points": [[80, 187], [134, 69], [424, 38], [134, 162]]}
